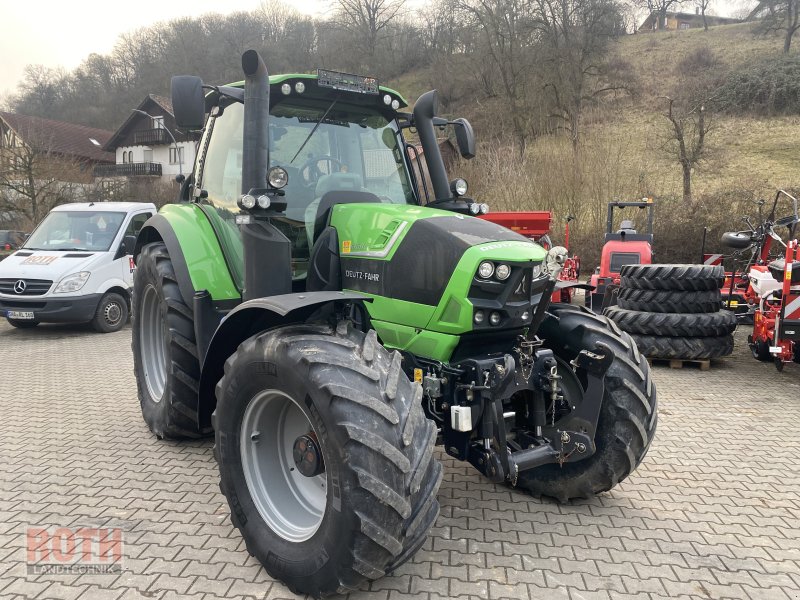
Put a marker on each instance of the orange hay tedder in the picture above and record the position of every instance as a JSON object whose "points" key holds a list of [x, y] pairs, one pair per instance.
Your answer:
{"points": [[536, 225]]}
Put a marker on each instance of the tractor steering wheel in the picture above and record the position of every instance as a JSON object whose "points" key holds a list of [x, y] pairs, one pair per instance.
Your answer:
{"points": [[310, 171]]}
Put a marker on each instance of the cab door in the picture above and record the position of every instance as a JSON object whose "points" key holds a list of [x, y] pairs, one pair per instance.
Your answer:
{"points": [[126, 264]]}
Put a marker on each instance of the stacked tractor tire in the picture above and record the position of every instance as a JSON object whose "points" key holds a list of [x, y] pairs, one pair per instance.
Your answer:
{"points": [[674, 311]]}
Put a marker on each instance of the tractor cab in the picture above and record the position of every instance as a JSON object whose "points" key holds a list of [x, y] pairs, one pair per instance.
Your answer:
{"points": [[624, 245]]}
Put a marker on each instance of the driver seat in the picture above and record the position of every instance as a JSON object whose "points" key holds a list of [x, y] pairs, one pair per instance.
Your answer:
{"points": [[335, 182], [626, 228]]}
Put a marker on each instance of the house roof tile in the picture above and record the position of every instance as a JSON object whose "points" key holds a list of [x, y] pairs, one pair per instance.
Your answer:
{"points": [[68, 139]]}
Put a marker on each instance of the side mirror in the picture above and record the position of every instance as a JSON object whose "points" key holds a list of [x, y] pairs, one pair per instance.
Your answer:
{"points": [[465, 138], [128, 245], [188, 102]]}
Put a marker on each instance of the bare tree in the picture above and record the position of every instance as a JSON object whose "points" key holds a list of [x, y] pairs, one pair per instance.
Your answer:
{"points": [[702, 6], [509, 36], [574, 35], [660, 7], [367, 20], [687, 139], [779, 16], [34, 178]]}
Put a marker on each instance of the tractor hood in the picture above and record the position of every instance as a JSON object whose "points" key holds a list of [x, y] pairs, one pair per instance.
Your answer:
{"points": [[421, 265]]}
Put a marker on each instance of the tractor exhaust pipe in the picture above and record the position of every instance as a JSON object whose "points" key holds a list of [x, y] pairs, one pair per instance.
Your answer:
{"points": [[255, 147], [424, 111], [261, 240]]}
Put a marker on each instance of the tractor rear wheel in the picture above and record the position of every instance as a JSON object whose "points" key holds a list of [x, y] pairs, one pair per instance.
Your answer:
{"points": [[628, 414], [665, 301], [685, 348], [165, 357], [325, 456], [673, 324], [672, 277]]}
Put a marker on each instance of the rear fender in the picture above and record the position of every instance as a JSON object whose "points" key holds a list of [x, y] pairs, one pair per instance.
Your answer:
{"points": [[250, 318]]}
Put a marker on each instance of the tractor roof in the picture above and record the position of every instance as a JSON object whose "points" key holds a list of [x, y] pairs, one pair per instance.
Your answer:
{"points": [[277, 80]]}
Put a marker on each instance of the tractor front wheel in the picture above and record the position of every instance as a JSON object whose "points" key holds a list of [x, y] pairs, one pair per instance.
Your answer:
{"points": [[628, 416], [325, 456], [164, 351]]}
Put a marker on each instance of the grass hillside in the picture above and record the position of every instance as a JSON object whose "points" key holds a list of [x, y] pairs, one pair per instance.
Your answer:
{"points": [[622, 153]]}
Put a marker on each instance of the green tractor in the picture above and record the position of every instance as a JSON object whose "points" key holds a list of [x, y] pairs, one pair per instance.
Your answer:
{"points": [[331, 320]]}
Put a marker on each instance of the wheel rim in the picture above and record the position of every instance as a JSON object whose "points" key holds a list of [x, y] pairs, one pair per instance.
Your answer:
{"points": [[112, 313], [152, 338], [292, 504]]}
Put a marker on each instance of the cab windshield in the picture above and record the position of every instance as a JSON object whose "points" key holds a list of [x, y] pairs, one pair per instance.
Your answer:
{"points": [[353, 149], [76, 230]]}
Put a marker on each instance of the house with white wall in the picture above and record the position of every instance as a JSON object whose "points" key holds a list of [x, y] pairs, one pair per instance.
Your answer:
{"points": [[148, 144]]}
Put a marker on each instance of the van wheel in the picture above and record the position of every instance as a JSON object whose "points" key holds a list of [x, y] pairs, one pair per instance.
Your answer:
{"points": [[111, 314], [22, 324]]}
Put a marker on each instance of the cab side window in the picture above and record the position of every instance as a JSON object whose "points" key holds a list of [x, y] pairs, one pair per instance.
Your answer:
{"points": [[136, 223]]}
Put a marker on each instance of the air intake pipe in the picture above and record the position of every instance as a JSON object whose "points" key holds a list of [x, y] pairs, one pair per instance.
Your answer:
{"points": [[424, 111], [267, 252]]}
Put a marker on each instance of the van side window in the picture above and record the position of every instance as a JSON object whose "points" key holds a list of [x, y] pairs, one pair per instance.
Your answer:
{"points": [[136, 223]]}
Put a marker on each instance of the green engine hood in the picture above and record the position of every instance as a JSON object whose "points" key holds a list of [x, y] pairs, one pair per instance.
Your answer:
{"points": [[418, 264]]}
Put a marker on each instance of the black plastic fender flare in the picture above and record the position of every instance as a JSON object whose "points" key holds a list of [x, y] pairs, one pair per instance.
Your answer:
{"points": [[158, 228], [248, 319]]}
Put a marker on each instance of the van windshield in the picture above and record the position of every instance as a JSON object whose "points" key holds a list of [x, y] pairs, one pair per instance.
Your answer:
{"points": [[76, 230]]}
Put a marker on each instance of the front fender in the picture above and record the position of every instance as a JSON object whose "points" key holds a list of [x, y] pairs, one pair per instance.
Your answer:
{"points": [[194, 250], [248, 319]]}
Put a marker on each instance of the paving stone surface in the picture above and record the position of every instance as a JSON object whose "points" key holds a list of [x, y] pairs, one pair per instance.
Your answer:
{"points": [[712, 513]]}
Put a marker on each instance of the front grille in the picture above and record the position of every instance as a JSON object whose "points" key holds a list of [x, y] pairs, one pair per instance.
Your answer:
{"points": [[33, 287]]}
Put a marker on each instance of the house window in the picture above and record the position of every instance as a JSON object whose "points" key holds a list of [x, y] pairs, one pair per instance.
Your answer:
{"points": [[148, 155], [124, 157], [683, 25], [158, 122], [130, 156], [175, 155]]}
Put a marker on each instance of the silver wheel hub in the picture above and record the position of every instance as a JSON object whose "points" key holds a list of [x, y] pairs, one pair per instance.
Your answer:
{"points": [[112, 313], [152, 341], [273, 429]]}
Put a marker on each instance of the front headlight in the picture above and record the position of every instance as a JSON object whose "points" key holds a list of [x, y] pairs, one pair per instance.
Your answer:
{"points": [[72, 283]]}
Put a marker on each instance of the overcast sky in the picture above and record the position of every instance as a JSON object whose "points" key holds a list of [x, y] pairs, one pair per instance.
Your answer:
{"points": [[63, 32]]}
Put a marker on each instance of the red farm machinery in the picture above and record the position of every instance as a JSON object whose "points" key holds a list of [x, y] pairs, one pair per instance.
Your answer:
{"points": [[623, 246]]}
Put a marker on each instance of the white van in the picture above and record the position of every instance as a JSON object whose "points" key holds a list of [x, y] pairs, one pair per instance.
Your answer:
{"points": [[76, 267]]}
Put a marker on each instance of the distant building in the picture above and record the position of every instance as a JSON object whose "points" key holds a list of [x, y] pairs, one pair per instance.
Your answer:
{"points": [[77, 146], [680, 20], [143, 145]]}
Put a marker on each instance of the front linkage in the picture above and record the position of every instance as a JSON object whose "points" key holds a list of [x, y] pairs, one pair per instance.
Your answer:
{"points": [[471, 403]]}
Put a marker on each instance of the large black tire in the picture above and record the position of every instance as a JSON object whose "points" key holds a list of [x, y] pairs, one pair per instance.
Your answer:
{"points": [[673, 324], [22, 324], [165, 357], [111, 314], [672, 277], [628, 415], [687, 348], [662, 301], [377, 445]]}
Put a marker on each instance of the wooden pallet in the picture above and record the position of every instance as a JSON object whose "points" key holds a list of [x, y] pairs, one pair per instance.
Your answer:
{"points": [[678, 363]]}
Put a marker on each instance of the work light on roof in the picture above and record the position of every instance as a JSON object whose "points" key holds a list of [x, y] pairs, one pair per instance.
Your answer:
{"points": [[387, 99], [286, 89], [395, 104], [299, 87]]}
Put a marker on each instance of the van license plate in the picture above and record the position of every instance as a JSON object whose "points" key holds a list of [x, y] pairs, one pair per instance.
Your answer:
{"points": [[21, 315]]}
